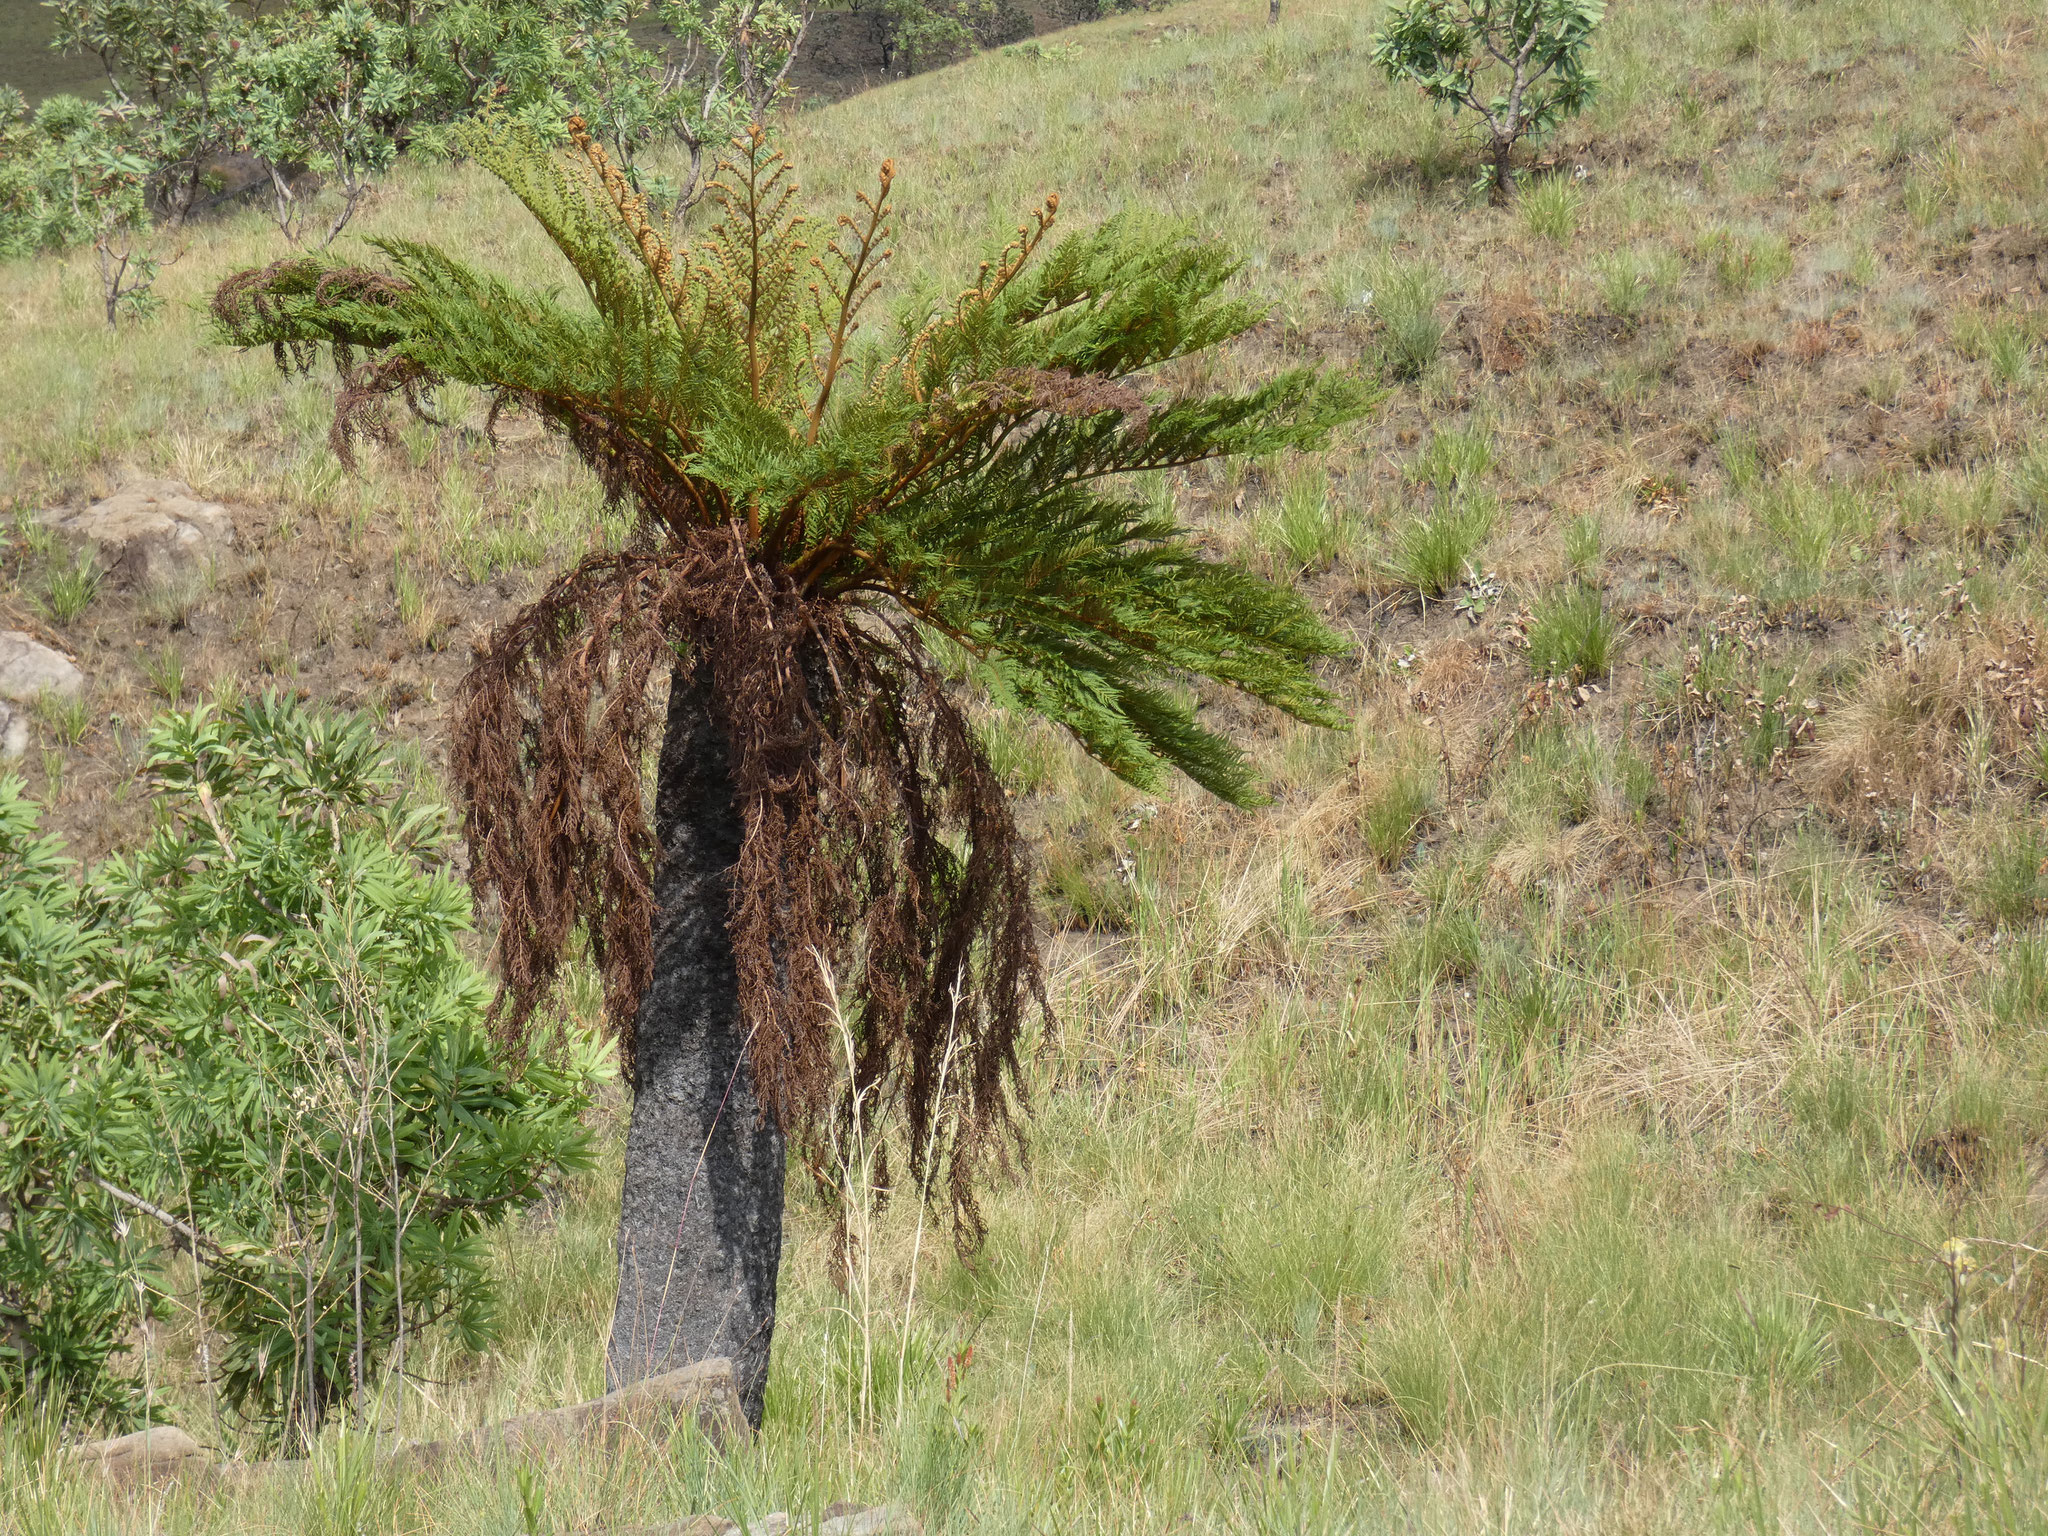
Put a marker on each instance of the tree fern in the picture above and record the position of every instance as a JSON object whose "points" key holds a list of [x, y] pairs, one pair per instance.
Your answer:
{"points": [[815, 501]]}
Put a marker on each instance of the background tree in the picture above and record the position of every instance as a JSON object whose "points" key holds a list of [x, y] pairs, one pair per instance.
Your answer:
{"points": [[327, 92], [813, 509], [1519, 65], [167, 64], [73, 172], [342, 87]]}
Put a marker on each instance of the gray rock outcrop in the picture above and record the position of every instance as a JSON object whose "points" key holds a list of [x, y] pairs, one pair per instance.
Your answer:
{"points": [[148, 530]]}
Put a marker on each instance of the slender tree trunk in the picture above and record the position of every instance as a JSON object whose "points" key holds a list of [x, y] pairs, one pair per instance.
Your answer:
{"points": [[1503, 170], [700, 1222]]}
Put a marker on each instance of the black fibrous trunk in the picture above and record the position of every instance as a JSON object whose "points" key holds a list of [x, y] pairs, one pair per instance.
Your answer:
{"points": [[700, 1222]]}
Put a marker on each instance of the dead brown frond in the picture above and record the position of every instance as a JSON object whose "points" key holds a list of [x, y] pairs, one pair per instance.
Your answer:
{"points": [[876, 838], [253, 296]]}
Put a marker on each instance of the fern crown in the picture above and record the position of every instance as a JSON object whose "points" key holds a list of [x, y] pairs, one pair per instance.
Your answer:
{"points": [[969, 467]]}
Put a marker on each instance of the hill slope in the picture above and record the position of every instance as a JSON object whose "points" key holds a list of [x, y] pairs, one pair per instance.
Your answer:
{"points": [[1557, 1102]]}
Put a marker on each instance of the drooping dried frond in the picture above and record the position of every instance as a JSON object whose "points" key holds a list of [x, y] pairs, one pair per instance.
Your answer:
{"points": [[811, 503], [855, 774]]}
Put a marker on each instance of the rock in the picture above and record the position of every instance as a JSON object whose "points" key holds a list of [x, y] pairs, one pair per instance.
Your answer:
{"points": [[148, 530], [881, 1520], [13, 731], [145, 1456], [28, 668], [706, 1390]]}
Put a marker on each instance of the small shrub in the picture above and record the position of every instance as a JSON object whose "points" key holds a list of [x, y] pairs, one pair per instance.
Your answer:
{"points": [[263, 1021], [1573, 637], [1434, 554], [1454, 51]]}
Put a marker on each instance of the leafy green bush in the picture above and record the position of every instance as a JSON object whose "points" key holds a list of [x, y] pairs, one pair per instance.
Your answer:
{"points": [[337, 86], [1518, 65], [259, 1037], [70, 174]]}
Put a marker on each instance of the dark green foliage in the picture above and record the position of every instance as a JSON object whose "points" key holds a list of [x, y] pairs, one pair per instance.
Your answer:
{"points": [[1518, 65], [67, 1109], [339, 87], [258, 1026]]}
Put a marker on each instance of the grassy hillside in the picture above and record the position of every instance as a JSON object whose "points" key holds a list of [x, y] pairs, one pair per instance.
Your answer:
{"points": [[1552, 1113]]}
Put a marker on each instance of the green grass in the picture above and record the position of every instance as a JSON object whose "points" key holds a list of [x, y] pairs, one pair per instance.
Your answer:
{"points": [[1307, 527], [1520, 1124], [1550, 207], [1572, 636], [70, 588], [1457, 457], [1432, 554], [1411, 332]]}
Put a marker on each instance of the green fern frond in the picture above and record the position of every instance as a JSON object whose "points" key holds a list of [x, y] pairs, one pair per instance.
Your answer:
{"points": [[963, 470]]}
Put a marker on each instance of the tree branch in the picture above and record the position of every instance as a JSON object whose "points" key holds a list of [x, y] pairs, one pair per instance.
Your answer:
{"points": [[158, 1214]]}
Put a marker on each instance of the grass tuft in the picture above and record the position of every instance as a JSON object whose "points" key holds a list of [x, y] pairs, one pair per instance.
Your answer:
{"points": [[1550, 208], [1434, 554], [1572, 636], [69, 589], [1411, 333]]}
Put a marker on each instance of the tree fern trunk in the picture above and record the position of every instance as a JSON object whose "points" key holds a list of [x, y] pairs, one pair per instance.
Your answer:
{"points": [[700, 1221]]}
